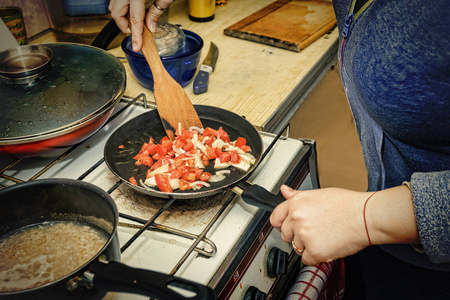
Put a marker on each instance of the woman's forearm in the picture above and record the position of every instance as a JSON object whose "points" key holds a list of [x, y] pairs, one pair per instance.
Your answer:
{"points": [[390, 217]]}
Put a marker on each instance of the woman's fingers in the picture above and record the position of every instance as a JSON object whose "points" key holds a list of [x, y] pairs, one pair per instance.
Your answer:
{"points": [[137, 13], [323, 224], [119, 12], [155, 12], [129, 17]]}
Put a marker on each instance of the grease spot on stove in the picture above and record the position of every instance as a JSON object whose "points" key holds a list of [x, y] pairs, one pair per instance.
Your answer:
{"points": [[190, 214], [172, 241]]}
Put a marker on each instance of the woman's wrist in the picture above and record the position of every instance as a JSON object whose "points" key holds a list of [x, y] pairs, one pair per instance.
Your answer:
{"points": [[390, 217]]}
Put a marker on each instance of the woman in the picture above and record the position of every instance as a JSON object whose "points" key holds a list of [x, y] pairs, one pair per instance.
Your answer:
{"points": [[395, 67]]}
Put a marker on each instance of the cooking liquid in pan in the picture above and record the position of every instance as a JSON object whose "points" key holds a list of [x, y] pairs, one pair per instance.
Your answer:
{"points": [[42, 253]]}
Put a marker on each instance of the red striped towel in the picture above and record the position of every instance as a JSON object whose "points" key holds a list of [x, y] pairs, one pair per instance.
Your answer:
{"points": [[326, 281]]}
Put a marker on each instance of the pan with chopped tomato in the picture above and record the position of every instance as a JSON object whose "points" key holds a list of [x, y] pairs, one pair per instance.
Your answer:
{"points": [[197, 163]]}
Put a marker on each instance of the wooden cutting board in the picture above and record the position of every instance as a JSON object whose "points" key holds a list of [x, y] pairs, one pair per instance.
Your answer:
{"points": [[287, 24]]}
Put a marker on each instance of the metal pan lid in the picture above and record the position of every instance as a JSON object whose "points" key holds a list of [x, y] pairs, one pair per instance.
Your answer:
{"points": [[81, 82], [24, 63]]}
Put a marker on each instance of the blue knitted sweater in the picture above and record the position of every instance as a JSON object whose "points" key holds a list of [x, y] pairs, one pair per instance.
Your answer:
{"points": [[395, 67]]}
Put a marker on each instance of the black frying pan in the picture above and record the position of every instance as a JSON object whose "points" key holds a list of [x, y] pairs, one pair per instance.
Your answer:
{"points": [[135, 132]]}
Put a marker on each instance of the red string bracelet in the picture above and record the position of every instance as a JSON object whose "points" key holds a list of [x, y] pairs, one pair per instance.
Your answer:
{"points": [[364, 215]]}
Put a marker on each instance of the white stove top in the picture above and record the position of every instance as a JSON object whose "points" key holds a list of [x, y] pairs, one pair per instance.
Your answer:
{"points": [[154, 250]]}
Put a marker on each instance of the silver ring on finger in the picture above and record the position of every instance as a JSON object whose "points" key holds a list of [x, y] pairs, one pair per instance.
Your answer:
{"points": [[158, 7], [297, 249]]}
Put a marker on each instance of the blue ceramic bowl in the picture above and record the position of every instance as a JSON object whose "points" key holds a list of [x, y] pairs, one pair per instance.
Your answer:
{"points": [[181, 65]]}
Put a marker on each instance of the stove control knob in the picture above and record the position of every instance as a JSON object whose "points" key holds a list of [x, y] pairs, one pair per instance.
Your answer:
{"points": [[277, 262], [254, 293]]}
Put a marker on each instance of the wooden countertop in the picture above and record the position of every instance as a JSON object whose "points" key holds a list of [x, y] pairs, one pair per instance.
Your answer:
{"points": [[251, 79]]}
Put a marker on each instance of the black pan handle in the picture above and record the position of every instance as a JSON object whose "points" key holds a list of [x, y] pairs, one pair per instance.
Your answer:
{"points": [[106, 35], [117, 277], [260, 197]]}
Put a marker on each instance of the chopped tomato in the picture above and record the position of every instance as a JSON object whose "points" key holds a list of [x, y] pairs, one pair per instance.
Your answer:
{"points": [[143, 148], [188, 145], [133, 181], [184, 185], [146, 160], [121, 146], [171, 153], [151, 149], [167, 145], [245, 148], [156, 165], [223, 135], [235, 158], [219, 151], [161, 150], [205, 176], [190, 176], [156, 156], [209, 132], [179, 142], [198, 172], [205, 159], [163, 183], [187, 134], [177, 161], [225, 157], [190, 163], [176, 174], [211, 152], [240, 142]]}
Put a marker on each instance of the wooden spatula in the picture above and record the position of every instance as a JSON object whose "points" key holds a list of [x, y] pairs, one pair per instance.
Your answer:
{"points": [[172, 102]]}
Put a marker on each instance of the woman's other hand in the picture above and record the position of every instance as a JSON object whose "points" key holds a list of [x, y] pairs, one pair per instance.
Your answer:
{"points": [[130, 17]]}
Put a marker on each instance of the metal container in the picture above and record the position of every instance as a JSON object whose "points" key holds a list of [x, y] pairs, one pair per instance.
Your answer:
{"points": [[13, 18]]}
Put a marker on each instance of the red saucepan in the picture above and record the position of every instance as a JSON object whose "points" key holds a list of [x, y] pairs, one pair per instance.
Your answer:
{"points": [[128, 139], [53, 200], [58, 106]]}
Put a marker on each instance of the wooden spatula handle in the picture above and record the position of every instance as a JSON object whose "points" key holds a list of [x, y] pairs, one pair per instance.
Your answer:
{"points": [[172, 102]]}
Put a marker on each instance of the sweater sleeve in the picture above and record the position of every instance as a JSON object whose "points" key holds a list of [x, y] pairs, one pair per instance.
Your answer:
{"points": [[432, 207]]}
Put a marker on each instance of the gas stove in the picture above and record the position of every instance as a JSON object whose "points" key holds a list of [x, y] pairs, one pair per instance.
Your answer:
{"points": [[219, 240]]}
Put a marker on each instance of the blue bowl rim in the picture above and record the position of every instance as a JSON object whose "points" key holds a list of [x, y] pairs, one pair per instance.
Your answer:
{"points": [[168, 57]]}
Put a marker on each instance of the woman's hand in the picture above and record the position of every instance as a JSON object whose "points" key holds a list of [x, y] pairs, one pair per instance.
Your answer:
{"points": [[134, 11], [329, 223]]}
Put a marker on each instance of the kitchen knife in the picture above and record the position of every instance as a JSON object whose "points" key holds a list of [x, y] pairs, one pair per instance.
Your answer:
{"points": [[206, 68]]}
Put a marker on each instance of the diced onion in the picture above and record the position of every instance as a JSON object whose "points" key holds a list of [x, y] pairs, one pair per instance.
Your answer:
{"points": [[223, 172], [145, 186], [247, 157], [219, 165], [216, 178], [174, 183], [198, 161], [196, 128], [178, 150], [218, 143], [162, 169], [243, 165], [219, 176], [194, 185], [150, 181]]}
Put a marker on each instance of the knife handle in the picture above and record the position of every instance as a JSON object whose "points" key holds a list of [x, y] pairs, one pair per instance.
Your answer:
{"points": [[201, 82]]}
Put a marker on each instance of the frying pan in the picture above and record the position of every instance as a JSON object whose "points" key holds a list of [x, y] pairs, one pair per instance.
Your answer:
{"points": [[128, 139], [65, 106], [52, 200]]}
